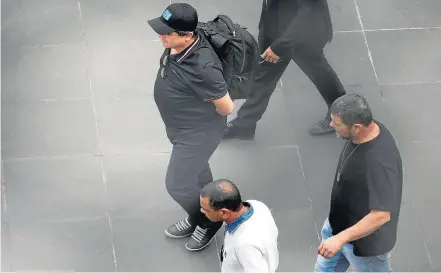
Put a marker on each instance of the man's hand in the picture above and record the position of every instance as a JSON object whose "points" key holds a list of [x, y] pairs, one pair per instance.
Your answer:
{"points": [[330, 246], [270, 56]]}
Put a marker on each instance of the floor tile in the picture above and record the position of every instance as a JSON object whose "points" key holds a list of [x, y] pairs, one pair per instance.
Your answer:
{"points": [[45, 22], [131, 124], [64, 246], [245, 12], [48, 129], [271, 175], [141, 246], [44, 73], [344, 15], [348, 56], [124, 69], [55, 189], [136, 184], [415, 57], [116, 21], [409, 253], [5, 251], [387, 14], [428, 213], [298, 240], [421, 170], [414, 122]]}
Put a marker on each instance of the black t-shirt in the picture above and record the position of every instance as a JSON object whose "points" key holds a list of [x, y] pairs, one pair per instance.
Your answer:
{"points": [[186, 84], [371, 179]]}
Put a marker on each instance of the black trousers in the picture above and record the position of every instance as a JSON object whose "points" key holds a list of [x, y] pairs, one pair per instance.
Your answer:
{"points": [[189, 171], [310, 60]]}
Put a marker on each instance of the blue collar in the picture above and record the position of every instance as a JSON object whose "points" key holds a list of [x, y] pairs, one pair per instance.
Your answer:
{"points": [[245, 216]]}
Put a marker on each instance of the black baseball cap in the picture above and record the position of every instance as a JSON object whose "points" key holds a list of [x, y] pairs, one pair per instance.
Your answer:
{"points": [[176, 17]]}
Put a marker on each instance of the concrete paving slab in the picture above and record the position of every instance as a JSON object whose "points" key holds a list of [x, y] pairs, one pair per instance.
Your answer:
{"points": [[54, 72], [54, 128], [117, 21], [428, 215], [140, 245], [46, 22], [124, 69], [409, 254], [415, 109], [414, 58], [136, 184], [55, 189], [389, 14], [66, 245]]}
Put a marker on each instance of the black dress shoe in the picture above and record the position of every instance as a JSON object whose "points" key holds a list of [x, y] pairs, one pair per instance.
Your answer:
{"points": [[322, 127], [243, 133]]}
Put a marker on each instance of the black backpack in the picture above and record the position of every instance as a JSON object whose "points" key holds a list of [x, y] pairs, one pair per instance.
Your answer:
{"points": [[238, 51]]}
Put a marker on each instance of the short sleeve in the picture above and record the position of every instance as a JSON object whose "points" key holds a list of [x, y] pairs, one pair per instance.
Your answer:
{"points": [[209, 83], [252, 259], [383, 182]]}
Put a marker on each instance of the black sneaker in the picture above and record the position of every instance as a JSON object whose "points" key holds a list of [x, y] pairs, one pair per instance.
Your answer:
{"points": [[201, 238], [180, 229], [322, 127], [242, 133]]}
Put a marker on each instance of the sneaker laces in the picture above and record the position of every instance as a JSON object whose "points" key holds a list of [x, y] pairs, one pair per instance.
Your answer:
{"points": [[183, 225], [199, 234]]}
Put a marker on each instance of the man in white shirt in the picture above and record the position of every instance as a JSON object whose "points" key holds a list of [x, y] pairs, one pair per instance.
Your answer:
{"points": [[250, 243]]}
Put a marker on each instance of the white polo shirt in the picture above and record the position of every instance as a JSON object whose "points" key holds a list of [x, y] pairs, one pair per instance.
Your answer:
{"points": [[250, 243]]}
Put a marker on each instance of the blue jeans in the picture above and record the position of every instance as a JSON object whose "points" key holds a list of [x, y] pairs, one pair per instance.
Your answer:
{"points": [[341, 260]]}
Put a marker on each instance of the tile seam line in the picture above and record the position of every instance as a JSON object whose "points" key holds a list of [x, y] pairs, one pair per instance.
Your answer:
{"points": [[335, 32], [424, 238], [305, 184], [92, 99], [367, 45]]}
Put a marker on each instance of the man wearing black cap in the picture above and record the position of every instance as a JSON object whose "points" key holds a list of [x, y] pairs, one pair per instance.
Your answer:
{"points": [[295, 30], [193, 100]]}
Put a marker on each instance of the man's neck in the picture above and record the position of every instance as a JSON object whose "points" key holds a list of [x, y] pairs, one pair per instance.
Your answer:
{"points": [[371, 132], [178, 50], [236, 215]]}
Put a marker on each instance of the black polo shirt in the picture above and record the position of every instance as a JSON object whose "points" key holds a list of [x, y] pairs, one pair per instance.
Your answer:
{"points": [[186, 84], [371, 179]]}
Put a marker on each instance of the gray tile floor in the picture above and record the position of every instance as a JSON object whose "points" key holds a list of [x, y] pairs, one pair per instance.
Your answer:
{"points": [[84, 151]]}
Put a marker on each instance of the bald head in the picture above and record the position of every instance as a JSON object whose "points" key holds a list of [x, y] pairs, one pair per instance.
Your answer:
{"points": [[222, 194]]}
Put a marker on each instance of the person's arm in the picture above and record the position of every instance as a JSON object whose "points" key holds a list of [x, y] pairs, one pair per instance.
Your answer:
{"points": [[224, 105], [252, 259], [210, 85], [297, 29]]}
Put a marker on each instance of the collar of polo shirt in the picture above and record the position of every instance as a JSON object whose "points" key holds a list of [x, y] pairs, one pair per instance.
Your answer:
{"points": [[245, 216]]}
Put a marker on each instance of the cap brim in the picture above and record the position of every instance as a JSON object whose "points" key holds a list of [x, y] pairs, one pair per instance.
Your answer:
{"points": [[160, 27]]}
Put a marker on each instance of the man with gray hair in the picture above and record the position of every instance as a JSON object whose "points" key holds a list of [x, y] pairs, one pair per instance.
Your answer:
{"points": [[361, 228]]}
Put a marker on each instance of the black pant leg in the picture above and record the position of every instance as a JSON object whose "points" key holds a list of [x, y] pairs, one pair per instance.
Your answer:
{"points": [[314, 64], [188, 170], [265, 80]]}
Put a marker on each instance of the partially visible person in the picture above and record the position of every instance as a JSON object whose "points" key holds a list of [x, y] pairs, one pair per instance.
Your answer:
{"points": [[295, 30], [193, 100], [251, 233], [361, 228]]}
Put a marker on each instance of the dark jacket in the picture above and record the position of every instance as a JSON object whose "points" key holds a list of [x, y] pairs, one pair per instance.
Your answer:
{"points": [[285, 24]]}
